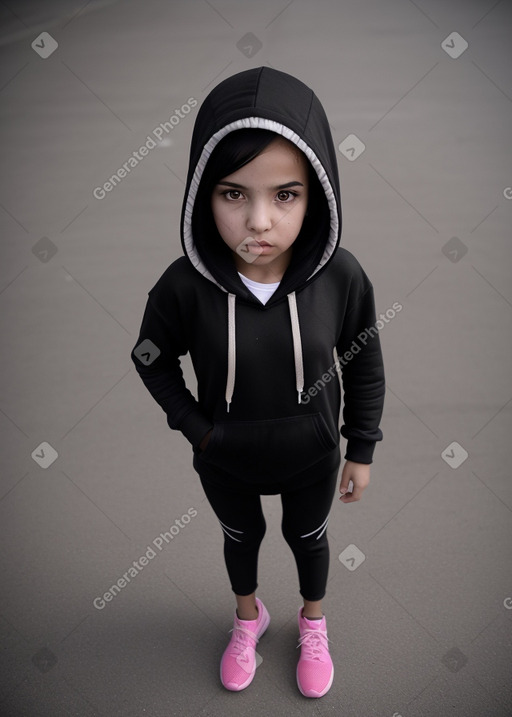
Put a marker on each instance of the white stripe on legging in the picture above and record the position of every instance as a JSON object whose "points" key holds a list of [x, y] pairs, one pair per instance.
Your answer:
{"points": [[324, 526], [225, 528]]}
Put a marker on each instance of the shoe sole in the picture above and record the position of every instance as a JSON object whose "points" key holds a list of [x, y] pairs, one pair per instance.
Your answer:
{"points": [[237, 688]]}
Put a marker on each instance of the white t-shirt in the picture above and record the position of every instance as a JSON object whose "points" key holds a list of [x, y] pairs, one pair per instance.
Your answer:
{"points": [[263, 292]]}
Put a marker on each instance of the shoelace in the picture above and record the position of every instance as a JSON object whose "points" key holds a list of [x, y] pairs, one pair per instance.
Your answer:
{"points": [[241, 643], [314, 642]]}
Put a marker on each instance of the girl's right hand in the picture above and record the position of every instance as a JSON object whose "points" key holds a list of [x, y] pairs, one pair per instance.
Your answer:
{"points": [[205, 440]]}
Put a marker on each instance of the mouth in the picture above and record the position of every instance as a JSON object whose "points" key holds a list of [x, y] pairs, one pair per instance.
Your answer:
{"points": [[254, 247], [259, 248]]}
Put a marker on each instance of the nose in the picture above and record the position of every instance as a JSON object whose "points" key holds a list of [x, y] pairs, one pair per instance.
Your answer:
{"points": [[259, 217]]}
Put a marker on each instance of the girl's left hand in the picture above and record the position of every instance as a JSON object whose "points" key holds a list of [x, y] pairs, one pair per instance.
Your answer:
{"points": [[359, 474]]}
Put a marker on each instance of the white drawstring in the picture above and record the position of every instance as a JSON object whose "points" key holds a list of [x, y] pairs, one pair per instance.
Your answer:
{"points": [[297, 348], [230, 384], [297, 345]]}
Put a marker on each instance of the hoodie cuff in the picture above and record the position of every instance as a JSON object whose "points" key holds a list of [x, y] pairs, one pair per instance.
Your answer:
{"points": [[360, 451], [194, 427]]}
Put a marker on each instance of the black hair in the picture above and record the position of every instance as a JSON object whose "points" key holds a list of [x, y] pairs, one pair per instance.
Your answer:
{"points": [[234, 151]]}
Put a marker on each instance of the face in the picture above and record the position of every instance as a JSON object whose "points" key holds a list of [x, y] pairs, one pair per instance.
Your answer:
{"points": [[259, 209]]}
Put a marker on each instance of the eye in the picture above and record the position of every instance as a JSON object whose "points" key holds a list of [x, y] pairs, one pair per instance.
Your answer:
{"points": [[285, 196], [232, 194]]}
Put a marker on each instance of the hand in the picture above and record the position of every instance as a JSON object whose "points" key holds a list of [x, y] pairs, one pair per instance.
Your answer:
{"points": [[359, 474], [205, 441]]}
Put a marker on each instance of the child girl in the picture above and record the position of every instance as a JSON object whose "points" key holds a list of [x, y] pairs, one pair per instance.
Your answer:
{"points": [[265, 301]]}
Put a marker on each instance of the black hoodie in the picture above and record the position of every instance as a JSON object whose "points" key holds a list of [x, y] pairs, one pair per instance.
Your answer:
{"points": [[269, 381]]}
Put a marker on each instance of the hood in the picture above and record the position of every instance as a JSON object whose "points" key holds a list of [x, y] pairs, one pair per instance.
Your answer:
{"points": [[273, 100], [267, 99]]}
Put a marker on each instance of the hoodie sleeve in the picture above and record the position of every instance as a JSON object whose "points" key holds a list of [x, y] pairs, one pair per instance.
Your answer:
{"points": [[362, 370], [156, 357]]}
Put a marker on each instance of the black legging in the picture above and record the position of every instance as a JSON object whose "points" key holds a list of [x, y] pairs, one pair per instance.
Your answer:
{"points": [[304, 526]]}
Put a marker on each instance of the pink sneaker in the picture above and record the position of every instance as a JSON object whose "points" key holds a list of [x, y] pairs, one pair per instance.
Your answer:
{"points": [[315, 671], [238, 664]]}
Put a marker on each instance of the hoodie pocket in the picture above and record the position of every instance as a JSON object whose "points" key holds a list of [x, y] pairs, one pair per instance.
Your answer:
{"points": [[272, 449]]}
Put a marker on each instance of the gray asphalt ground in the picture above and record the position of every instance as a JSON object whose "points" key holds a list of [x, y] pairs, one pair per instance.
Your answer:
{"points": [[419, 602]]}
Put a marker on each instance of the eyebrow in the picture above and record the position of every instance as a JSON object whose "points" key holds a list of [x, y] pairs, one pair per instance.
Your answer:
{"points": [[280, 186]]}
